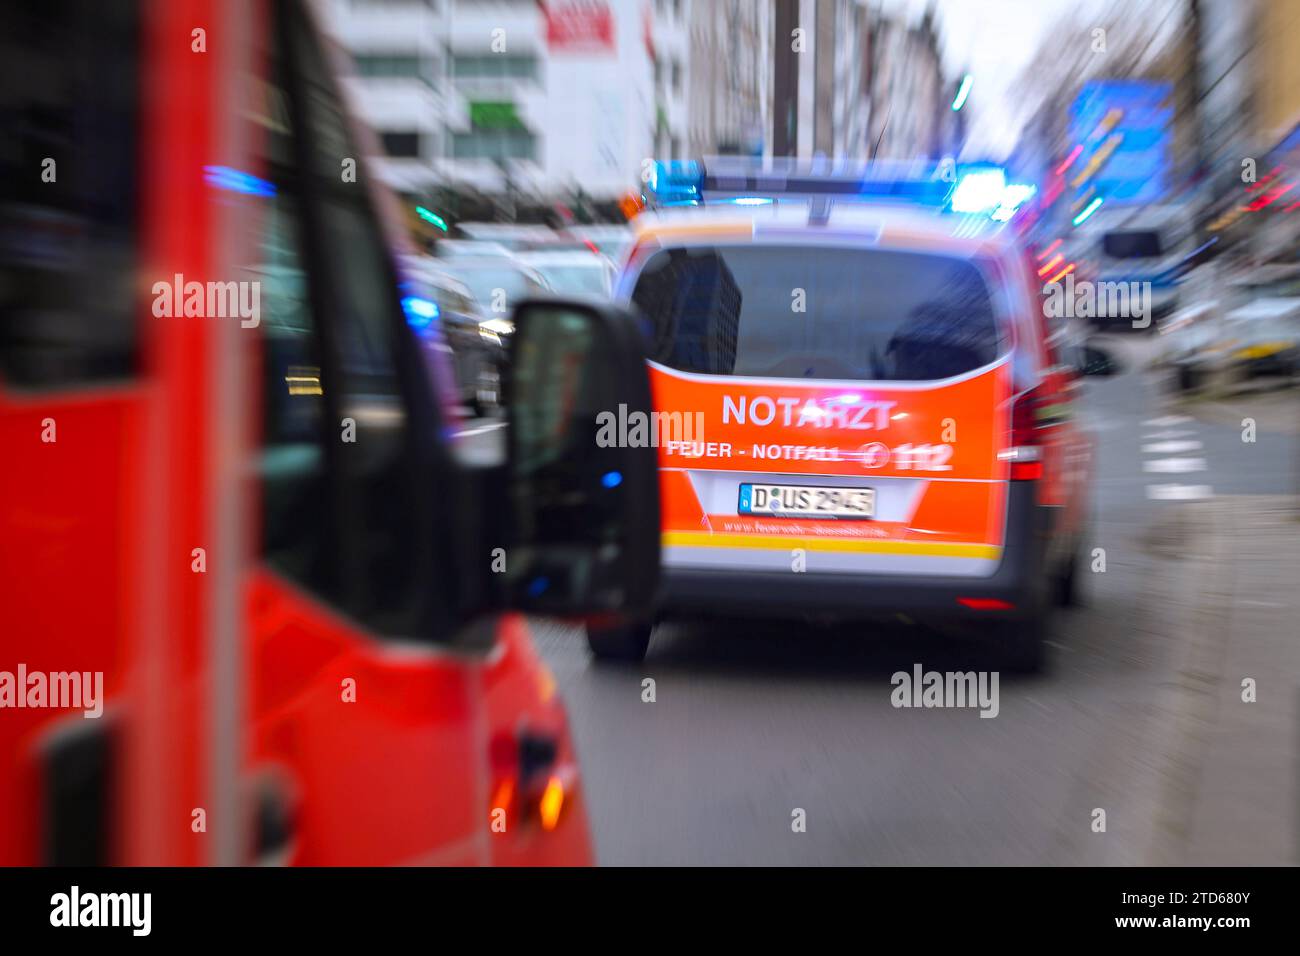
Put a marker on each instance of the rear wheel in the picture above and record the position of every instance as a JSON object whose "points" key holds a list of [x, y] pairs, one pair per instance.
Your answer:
{"points": [[1066, 583], [1021, 644], [627, 643]]}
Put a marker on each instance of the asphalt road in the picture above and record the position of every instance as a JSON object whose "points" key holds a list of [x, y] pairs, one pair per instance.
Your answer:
{"points": [[754, 722]]}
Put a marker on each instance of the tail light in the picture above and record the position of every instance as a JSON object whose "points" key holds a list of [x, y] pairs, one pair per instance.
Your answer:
{"points": [[1025, 452], [986, 604]]}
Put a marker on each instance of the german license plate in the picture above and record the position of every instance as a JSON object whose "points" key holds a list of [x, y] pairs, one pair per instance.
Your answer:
{"points": [[807, 501]]}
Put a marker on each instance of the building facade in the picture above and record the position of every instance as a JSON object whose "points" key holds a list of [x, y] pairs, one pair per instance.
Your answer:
{"points": [[521, 98], [868, 83], [400, 84], [730, 78]]}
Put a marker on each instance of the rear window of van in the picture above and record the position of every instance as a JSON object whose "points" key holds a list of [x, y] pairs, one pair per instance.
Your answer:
{"points": [[798, 311]]}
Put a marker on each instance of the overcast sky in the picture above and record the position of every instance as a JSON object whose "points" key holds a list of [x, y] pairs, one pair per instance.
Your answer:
{"points": [[994, 40]]}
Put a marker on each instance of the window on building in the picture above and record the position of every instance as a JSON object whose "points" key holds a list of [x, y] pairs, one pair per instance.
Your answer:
{"points": [[495, 144], [399, 66], [494, 66], [401, 145]]}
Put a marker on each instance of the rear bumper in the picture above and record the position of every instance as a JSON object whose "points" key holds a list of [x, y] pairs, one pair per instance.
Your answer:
{"points": [[690, 592]]}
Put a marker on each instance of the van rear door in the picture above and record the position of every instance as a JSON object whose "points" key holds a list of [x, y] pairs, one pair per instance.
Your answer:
{"points": [[844, 401]]}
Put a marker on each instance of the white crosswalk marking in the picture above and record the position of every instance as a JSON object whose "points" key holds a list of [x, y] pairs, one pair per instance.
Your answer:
{"points": [[1165, 421], [1174, 466], [1170, 447], [1169, 433], [1179, 492]]}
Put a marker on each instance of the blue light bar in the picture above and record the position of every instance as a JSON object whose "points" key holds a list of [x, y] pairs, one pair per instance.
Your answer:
{"points": [[676, 183], [746, 183], [980, 188]]}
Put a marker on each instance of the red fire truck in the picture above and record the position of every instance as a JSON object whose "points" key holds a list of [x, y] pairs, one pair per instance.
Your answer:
{"points": [[235, 515]]}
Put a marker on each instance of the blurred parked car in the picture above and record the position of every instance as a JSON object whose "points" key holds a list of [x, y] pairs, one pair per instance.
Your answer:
{"points": [[497, 283], [459, 248], [477, 352], [579, 272], [1256, 332], [514, 236], [608, 239]]}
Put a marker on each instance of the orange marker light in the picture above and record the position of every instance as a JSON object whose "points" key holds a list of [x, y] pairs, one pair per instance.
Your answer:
{"points": [[551, 804]]}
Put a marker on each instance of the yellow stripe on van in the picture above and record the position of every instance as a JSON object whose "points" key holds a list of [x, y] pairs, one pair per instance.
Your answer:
{"points": [[947, 549]]}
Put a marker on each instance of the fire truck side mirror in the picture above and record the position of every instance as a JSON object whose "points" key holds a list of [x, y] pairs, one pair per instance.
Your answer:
{"points": [[582, 486]]}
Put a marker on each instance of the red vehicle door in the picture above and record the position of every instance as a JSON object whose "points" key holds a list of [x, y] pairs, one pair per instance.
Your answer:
{"points": [[239, 534]]}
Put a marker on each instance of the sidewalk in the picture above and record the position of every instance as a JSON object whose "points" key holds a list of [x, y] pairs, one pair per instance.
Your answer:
{"points": [[1248, 801], [1231, 770]]}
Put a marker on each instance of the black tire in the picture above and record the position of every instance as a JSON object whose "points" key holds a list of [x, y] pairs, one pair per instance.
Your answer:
{"points": [[1065, 586], [627, 643], [1021, 644]]}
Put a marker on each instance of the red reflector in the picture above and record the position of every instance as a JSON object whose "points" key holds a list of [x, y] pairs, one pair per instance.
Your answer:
{"points": [[986, 604], [1025, 451]]}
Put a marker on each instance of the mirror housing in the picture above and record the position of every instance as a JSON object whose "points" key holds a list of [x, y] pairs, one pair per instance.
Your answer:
{"points": [[582, 517]]}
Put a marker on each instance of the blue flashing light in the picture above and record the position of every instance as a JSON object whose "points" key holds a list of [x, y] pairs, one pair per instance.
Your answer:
{"points": [[979, 190], [1013, 197], [537, 587], [678, 182], [420, 313], [237, 181], [611, 479]]}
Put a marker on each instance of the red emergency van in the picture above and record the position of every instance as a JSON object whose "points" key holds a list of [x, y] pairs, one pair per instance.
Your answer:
{"points": [[867, 408], [235, 515]]}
